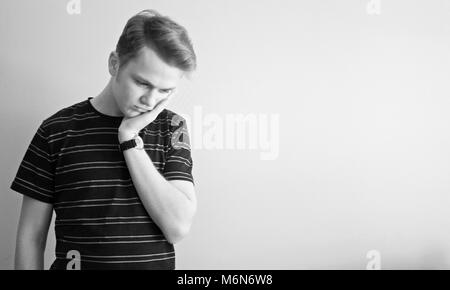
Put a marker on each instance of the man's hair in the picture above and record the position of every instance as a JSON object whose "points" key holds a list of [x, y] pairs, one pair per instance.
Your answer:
{"points": [[168, 39]]}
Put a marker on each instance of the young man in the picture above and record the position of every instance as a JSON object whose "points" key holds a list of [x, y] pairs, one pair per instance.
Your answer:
{"points": [[117, 168]]}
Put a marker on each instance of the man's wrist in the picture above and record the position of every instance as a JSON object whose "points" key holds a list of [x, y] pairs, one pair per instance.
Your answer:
{"points": [[125, 136]]}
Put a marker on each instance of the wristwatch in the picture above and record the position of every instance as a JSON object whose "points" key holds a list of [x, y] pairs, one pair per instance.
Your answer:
{"points": [[135, 142]]}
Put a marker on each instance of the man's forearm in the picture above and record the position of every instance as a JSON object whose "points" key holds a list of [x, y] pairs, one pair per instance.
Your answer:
{"points": [[169, 207], [29, 255]]}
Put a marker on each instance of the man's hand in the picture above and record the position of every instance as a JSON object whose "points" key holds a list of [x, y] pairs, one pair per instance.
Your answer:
{"points": [[131, 126]]}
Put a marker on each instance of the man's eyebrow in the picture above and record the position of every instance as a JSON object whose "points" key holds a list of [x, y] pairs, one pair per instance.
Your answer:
{"points": [[142, 80]]}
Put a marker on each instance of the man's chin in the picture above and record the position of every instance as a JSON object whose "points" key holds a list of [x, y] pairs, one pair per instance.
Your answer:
{"points": [[131, 112]]}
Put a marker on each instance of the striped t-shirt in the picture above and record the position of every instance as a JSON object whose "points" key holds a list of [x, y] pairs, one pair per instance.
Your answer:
{"points": [[74, 163]]}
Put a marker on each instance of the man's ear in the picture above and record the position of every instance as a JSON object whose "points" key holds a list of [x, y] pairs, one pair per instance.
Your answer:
{"points": [[113, 63]]}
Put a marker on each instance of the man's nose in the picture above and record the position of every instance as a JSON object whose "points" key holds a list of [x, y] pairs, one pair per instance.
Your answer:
{"points": [[149, 99]]}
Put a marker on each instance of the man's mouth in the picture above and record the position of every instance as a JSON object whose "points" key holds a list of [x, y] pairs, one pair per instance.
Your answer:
{"points": [[141, 109]]}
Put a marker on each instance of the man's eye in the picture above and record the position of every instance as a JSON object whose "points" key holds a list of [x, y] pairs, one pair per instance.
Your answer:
{"points": [[139, 83], [165, 91]]}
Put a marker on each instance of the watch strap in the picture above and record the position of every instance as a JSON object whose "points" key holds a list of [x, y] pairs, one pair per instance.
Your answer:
{"points": [[127, 145]]}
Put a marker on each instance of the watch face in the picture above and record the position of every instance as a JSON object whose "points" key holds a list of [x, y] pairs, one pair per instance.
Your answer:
{"points": [[139, 142]]}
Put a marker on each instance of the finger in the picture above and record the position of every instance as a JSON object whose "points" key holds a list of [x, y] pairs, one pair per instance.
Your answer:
{"points": [[146, 118], [162, 105], [150, 116]]}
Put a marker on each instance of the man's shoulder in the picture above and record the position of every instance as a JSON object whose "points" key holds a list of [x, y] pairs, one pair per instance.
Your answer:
{"points": [[78, 109], [168, 118], [168, 114]]}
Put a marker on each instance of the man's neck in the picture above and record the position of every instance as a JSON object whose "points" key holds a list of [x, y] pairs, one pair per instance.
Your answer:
{"points": [[105, 103]]}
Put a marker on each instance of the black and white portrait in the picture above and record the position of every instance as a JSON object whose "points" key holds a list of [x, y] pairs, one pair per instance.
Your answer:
{"points": [[211, 135]]}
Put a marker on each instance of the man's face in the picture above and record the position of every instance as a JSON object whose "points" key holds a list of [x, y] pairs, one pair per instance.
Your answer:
{"points": [[143, 82]]}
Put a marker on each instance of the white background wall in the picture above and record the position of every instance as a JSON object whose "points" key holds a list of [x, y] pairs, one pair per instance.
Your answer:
{"points": [[363, 110]]}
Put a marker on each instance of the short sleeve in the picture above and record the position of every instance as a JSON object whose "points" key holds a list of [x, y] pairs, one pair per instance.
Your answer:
{"points": [[35, 176], [178, 164]]}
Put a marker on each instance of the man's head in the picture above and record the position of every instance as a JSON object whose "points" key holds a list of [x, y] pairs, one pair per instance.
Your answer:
{"points": [[152, 55]]}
